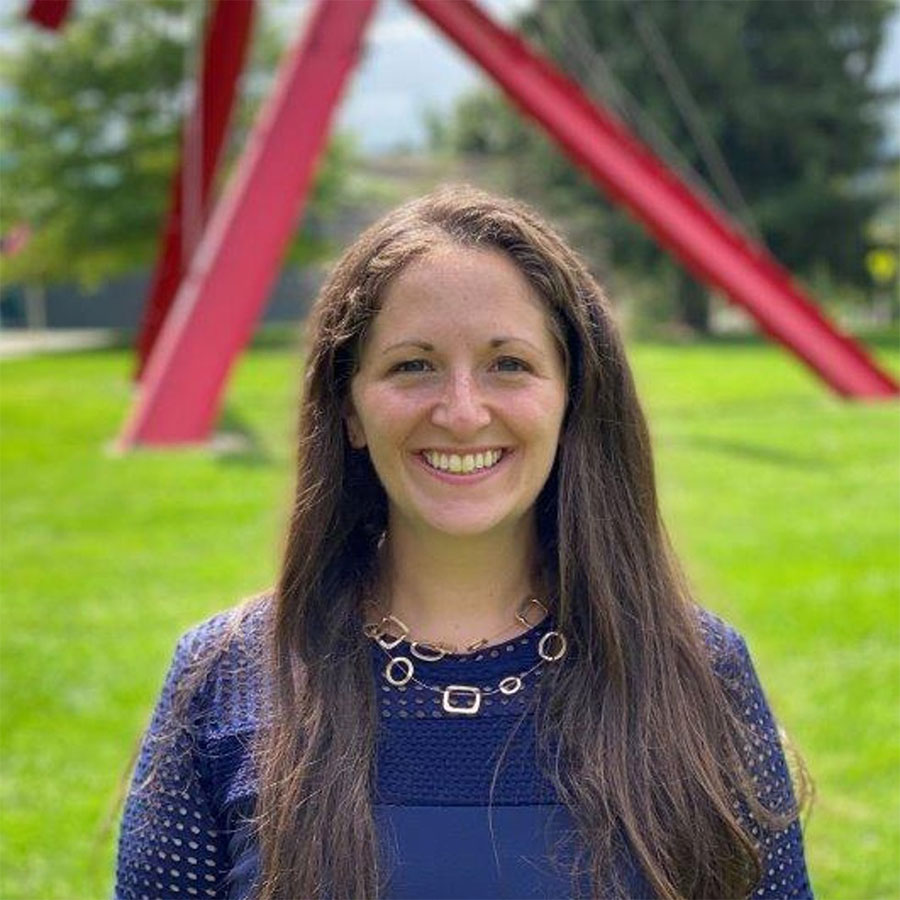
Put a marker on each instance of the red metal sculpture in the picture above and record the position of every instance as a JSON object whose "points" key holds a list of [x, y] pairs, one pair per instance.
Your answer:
{"points": [[232, 271], [224, 289], [224, 52]]}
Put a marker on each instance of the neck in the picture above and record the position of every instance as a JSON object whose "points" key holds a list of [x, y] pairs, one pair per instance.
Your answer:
{"points": [[458, 589]]}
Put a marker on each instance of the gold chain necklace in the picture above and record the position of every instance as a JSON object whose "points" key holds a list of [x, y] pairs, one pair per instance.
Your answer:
{"points": [[390, 632]]}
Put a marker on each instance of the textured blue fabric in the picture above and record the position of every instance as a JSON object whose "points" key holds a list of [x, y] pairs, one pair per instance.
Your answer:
{"points": [[501, 851], [462, 807]]}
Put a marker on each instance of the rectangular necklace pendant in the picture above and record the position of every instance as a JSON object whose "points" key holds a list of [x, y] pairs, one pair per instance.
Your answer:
{"points": [[471, 697]]}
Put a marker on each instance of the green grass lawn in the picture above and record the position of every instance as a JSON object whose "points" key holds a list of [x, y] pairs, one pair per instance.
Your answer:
{"points": [[782, 500]]}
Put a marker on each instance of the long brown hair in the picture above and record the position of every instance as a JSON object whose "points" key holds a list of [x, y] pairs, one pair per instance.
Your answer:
{"points": [[647, 749]]}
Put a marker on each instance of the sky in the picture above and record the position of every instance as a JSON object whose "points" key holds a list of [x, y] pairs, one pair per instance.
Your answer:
{"points": [[409, 66]]}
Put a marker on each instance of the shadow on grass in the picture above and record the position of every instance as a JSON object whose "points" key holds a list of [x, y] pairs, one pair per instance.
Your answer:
{"points": [[235, 443], [753, 452], [884, 338]]}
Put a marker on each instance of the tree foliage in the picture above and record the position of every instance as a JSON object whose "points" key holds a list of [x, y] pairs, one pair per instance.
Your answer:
{"points": [[90, 126], [783, 91]]}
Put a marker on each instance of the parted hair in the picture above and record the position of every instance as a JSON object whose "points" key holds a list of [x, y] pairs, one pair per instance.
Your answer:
{"points": [[641, 739]]}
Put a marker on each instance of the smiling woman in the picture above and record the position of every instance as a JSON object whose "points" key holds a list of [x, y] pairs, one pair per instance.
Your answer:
{"points": [[481, 672]]}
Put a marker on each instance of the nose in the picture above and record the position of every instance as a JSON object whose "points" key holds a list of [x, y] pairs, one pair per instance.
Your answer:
{"points": [[461, 409]]}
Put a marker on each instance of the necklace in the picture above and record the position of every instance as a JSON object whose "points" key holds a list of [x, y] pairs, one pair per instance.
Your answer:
{"points": [[460, 699], [390, 632]]}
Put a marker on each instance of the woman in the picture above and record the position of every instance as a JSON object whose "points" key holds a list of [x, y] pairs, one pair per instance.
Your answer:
{"points": [[481, 672]]}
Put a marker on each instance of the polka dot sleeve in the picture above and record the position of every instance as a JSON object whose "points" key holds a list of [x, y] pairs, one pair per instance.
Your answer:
{"points": [[784, 872], [170, 842]]}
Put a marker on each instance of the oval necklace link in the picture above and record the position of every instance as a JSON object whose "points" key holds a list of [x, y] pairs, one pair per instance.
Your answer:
{"points": [[550, 655], [405, 664]]}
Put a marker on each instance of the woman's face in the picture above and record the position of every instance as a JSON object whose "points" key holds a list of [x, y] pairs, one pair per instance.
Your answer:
{"points": [[460, 394]]}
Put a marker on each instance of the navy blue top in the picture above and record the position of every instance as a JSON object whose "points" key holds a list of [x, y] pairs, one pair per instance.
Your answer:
{"points": [[461, 805]]}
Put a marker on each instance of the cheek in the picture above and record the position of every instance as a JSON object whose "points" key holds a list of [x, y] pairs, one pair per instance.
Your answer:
{"points": [[539, 417], [387, 415]]}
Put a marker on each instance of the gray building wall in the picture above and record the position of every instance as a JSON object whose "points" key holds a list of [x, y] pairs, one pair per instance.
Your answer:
{"points": [[119, 303]]}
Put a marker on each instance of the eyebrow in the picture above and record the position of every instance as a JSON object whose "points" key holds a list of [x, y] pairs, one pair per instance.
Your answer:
{"points": [[429, 348], [422, 345]]}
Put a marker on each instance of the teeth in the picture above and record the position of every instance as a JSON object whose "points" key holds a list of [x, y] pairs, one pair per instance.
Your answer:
{"points": [[470, 462]]}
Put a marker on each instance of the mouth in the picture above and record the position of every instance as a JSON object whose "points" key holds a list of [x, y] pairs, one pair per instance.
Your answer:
{"points": [[463, 466]]}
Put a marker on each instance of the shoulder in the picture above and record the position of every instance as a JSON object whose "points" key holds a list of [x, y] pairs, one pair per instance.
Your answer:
{"points": [[731, 662], [736, 673], [220, 663], [231, 632], [724, 644]]}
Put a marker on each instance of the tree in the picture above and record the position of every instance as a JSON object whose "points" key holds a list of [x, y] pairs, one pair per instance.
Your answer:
{"points": [[90, 132], [781, 92]]}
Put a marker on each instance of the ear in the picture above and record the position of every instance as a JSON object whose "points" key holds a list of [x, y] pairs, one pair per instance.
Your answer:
{"points": [[355, 433]]}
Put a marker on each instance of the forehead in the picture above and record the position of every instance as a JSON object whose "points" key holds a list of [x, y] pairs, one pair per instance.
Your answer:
{"points": [[458, 290]]}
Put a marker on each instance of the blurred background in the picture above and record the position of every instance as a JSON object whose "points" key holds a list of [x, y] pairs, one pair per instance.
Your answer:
{"points": [[782, 498]]}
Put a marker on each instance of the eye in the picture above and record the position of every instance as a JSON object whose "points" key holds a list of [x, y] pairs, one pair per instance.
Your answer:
{"points": [[411, 366], [512, 364]]}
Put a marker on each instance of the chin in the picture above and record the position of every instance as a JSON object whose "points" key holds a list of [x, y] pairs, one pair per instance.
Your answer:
{"points": [[466, 526]]}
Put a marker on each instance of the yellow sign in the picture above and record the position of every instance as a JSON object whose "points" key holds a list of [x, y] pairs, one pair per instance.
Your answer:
{"points": [[882, 265]]}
